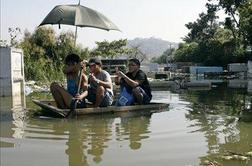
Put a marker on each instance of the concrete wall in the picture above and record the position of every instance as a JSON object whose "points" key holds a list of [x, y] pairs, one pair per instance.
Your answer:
{"points": [[237, 67], [237, 83], [11, 71], [249, 89], [249, 66], [5, 72], [205, 69]]}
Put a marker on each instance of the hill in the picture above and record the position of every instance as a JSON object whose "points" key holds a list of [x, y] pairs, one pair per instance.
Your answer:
{"points": [[152, 47]]}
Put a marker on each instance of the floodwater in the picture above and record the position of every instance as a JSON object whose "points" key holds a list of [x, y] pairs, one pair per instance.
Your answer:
{"points": [[198, 128]]}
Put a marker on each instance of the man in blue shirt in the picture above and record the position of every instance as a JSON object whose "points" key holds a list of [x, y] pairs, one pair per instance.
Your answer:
{"points": [[65, 97]]}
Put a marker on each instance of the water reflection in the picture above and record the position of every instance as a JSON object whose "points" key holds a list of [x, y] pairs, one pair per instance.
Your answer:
{"points": [[87, 138], [200, 126], [217, 115], [12, 118], [218, 101], [134, 128]]}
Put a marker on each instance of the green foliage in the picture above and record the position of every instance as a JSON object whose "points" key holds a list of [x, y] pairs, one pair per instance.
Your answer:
{"points": [[246, 21], [3, 43], [165, 57], [14, 32], [218, 50], [223, 36], [211, 44], [110, 49], [204, 27], [45, 52], [187, 52]]}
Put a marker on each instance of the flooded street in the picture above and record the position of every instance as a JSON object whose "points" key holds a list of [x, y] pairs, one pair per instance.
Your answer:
{"points": [[198, 128]]}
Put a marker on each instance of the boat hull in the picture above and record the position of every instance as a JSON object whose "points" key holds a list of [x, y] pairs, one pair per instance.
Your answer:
{"points": [[51, 107]]}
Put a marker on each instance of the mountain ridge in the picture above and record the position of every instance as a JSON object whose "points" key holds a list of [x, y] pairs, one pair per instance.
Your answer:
{"points": [[152, 46]]}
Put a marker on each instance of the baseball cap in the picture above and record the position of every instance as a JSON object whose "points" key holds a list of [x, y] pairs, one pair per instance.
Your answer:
{"points": [[95, 60]]}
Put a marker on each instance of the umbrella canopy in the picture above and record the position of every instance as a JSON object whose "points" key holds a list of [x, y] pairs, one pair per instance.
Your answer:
{"points": [[80, 16]]}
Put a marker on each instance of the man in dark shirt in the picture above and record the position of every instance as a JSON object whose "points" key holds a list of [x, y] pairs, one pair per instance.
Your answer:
{"points": [[135, 81]]}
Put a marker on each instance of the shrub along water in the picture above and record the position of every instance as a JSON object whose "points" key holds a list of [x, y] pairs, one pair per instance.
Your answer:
{"points": [[45, 52]]}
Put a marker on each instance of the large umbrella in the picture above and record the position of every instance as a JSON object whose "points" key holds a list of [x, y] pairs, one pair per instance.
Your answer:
{"points": [[79, 16]]}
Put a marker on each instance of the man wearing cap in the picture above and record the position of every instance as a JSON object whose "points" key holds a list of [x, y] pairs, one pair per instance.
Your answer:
{"points": [[135, 81], [100, 91]]}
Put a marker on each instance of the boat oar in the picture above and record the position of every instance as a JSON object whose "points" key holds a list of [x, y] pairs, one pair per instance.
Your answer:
{"points": [[74, 103]]}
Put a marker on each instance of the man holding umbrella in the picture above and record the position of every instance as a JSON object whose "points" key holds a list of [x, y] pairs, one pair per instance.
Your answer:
{"points": [[100, 91], [77, 84]]}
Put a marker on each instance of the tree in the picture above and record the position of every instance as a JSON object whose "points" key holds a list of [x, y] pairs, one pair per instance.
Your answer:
{"points": [[14, 33], [218, 50], [246, 21], [187, 53], [210, 43], [135, 52], [167, 54], [44, 53], [226, 39], [204, 27], [110, 49], [231, 7], [32, 57]]}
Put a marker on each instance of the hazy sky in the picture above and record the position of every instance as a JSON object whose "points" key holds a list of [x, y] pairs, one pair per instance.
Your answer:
{"points": [[163, 19]]}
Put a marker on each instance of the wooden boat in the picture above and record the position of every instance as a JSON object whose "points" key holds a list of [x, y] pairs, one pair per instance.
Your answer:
{"points": [[51, 107]]}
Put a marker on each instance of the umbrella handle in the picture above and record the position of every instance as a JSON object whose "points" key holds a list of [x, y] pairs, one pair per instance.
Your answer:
{"points": [[75, 102], [59, 22], [75, 36], [80, 79]]}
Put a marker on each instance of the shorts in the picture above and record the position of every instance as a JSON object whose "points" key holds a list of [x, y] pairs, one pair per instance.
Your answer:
{"points": [[107, 99], [146, 98], [80, 103]]}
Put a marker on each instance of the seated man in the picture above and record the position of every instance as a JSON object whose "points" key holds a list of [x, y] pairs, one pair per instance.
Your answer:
{"points": [[65, 98], [135, 82], [100, 91]]}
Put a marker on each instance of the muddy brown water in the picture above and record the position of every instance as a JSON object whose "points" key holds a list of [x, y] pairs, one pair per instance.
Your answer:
{"points": [[198, 128]]}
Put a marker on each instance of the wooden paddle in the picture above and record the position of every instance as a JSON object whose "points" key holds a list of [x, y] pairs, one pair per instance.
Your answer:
{"points": [[75, 102]]}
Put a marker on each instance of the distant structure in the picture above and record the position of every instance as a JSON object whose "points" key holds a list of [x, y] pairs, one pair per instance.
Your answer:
{"points": [[110, 64], [249, 67], [205, 69], [12, 80], [237, 67]]}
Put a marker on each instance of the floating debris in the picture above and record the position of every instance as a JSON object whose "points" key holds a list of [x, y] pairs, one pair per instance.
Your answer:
{"points": [[227, 157], [235, 157], [210, 163], [249, 154], [28, 90], [31, 87]]}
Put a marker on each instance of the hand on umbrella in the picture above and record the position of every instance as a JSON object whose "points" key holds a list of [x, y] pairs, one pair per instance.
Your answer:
{"points": [[78, 97]]}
